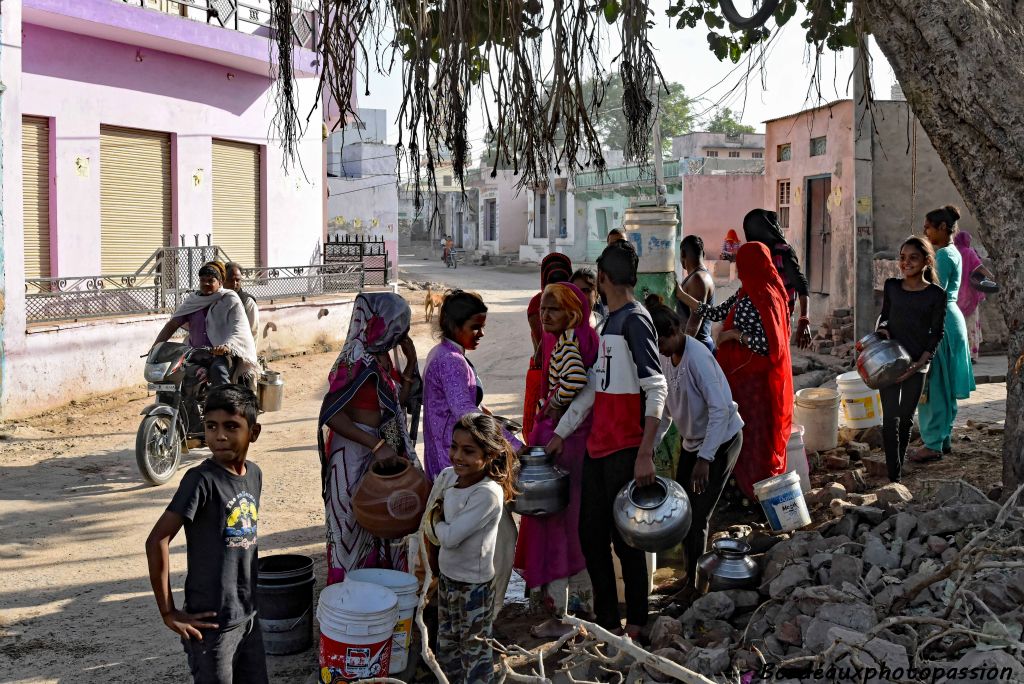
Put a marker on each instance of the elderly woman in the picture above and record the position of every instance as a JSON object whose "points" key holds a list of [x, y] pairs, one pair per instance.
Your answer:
{"points": [[950, 376], [362, 421], [753, 351], [215, 317], [554, 268], [548, 554]]}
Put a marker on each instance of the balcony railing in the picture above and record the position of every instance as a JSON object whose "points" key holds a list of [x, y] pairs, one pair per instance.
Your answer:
{"points": [[624, 175], [235, 15]]}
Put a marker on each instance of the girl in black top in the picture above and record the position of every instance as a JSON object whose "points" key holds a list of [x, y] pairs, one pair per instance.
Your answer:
{"points": [[913, 314]]}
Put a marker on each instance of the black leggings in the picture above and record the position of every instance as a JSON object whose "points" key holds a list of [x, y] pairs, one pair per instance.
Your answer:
{"points": [[899, 402], [703, 505]]}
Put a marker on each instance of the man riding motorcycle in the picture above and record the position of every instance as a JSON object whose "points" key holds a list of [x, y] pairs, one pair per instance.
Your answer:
{"points": [[215, 317]]}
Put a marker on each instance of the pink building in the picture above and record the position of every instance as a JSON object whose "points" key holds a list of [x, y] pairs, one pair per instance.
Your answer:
{"points": [[713, 204], [127, 127], [809, 181]]}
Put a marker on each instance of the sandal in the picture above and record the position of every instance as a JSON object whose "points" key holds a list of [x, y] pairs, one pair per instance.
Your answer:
{"points": [[925, 455]]}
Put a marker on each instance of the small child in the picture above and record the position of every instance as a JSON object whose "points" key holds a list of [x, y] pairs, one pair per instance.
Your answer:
{"points": [[913, 314], [218, 504], [465, 525]]}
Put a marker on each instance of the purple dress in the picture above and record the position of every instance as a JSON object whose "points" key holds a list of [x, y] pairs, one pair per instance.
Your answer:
{"points": [[451, 389]]}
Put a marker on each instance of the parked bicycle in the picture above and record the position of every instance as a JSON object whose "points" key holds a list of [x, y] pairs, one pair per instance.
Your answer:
{"points": [[453, 258]]}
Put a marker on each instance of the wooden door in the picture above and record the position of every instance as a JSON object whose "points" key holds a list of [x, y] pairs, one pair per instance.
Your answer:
{"points": [[819, 234]]}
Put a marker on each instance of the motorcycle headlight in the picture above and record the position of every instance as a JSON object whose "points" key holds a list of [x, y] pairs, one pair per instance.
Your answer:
{"points": [[155, 372]]}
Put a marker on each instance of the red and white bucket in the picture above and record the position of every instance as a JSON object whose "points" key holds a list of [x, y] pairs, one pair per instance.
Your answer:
{"points": [[357, 621]]}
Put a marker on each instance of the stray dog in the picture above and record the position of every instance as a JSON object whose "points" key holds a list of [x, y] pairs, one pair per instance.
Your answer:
{"points": [[432, 303]]}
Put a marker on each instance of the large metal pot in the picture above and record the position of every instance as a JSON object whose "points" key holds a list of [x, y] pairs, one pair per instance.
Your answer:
{"points": [[727, 566], [543, 487], [881, 362], [652, 518]]}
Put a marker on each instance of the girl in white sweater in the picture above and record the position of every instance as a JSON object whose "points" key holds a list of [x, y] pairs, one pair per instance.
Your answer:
{"points": [[464, 524]]}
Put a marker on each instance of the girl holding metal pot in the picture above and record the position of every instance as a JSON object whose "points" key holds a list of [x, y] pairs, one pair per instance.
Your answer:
{"points": [[913, 314], [700, 403]]}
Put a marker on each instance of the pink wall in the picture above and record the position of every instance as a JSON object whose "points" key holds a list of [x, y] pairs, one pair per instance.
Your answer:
{"points": [[195, 101], [82, 82], [836, 124], [714, 204]]}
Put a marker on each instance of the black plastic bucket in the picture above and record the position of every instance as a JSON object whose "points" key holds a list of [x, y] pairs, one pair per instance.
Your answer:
{"points": [[284, 595]]}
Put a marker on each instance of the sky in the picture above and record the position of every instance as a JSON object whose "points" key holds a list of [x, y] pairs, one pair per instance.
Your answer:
{"points": [[684, 58]]}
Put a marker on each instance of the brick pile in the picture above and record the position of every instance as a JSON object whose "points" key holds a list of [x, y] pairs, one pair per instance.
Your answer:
{"points": [[835, 336]]}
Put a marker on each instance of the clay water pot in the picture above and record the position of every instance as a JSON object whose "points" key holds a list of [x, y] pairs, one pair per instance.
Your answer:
{"points": [[390, 500]]}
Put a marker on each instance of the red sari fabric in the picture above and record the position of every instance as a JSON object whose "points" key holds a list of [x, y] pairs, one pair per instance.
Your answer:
{"points": [[762, 386]]}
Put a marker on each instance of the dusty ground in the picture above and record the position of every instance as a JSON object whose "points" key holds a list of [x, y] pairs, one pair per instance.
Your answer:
{"points": [[75, 603]]}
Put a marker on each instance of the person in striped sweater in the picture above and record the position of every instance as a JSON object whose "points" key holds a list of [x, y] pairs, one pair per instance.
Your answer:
{"points": [[548, 554]]}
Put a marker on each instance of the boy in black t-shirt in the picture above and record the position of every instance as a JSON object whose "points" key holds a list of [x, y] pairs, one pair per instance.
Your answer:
{"points": [[218, 504]]}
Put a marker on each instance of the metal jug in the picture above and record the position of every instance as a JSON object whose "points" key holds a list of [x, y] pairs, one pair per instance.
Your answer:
{"points": [[543, 487], [881, 362], [727, 566], [270, 391], [653, 518]]}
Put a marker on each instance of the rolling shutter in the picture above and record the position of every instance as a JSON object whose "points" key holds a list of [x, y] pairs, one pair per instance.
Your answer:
{"points": [[236, 201], [135, 197], [35, 156]]}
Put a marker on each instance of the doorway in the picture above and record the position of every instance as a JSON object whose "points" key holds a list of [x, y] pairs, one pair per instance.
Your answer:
{"points": [[819, 234]]}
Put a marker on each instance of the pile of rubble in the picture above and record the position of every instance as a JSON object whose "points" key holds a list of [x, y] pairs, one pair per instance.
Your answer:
{"points": [[885, 589], [835, 336]]}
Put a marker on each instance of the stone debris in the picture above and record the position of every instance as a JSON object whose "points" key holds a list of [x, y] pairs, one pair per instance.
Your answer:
{"points": [[864, 590]]}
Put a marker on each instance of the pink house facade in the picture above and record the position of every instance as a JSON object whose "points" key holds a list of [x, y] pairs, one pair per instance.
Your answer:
{"points": [[809, 181], [86, 80]]}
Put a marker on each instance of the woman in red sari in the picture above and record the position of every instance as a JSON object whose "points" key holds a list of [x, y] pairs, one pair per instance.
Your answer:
{"points": [[554, 268], [753, 350]]}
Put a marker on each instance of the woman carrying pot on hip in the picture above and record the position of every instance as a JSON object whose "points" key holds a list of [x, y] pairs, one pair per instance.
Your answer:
{"points": [[700, 403], [362, 421]]}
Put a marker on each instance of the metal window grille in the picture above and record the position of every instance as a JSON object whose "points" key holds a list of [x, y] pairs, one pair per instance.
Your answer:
{"points": [[784, 152], [818, 146]]}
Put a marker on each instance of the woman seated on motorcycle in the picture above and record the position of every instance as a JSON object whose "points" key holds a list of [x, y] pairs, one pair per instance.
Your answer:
{"points": [[215, 317]]}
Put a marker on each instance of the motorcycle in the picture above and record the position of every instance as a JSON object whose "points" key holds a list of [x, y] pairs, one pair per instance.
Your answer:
{"points": [[174, 422], [175, 419]]}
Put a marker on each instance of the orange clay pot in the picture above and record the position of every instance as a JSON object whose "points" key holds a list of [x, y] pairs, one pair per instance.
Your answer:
{"points": [[390, 500]]}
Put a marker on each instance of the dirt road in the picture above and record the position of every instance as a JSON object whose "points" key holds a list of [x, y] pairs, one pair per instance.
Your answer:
{"points": [[75, 603]]}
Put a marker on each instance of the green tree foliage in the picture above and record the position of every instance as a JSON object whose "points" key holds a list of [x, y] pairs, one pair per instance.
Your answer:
{"points": [[723, 121], [612, 126]]}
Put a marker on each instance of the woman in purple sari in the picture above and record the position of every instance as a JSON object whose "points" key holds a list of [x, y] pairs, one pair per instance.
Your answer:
{"points": [[362, 420], [548, 554]]}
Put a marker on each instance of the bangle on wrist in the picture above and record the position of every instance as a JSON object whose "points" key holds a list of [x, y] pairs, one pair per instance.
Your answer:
{"points": [[803, 319], [376, 447]]}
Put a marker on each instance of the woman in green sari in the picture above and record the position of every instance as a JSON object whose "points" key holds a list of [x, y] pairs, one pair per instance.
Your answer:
{"points": [[950, 377]]}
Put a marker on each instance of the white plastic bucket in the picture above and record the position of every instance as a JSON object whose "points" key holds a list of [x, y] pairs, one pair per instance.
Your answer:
{"points": [[357, 621], [817, 409], [783, 502], [861, 406], [796, 457], [406, 588]]}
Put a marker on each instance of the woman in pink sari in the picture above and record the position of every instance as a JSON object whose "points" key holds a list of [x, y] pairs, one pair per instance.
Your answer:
{"points": [[548, 554], [969, 300]]}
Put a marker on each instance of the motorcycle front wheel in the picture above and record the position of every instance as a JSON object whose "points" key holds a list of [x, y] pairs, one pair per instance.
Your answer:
{"points": [[157, 460]]}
